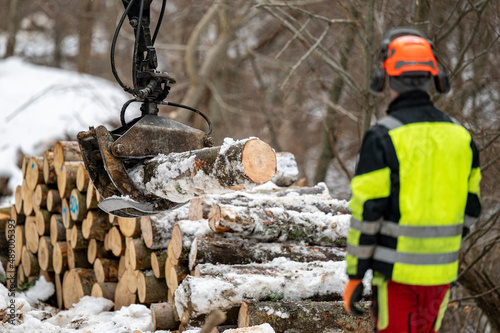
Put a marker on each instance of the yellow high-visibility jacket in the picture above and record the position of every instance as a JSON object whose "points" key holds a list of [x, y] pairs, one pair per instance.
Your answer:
{"points": [[415, 191]]}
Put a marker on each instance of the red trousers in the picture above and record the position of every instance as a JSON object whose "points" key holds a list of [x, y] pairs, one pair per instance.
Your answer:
{"points": [[401, 308]]}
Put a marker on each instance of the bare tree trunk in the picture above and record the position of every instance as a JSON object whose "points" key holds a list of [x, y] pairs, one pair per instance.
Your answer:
{"points": [[328, 137], [85, 27], [13, 26], [484, 289], [421, 15], [58, 37], [198, 76], [369, 99]]}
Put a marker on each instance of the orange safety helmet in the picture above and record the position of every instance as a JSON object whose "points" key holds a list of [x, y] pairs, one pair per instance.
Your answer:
{"points": [[410, 54], [407, 52]]}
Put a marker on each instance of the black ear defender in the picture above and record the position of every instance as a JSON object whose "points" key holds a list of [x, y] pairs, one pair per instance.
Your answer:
{"points": [[377, 84]]}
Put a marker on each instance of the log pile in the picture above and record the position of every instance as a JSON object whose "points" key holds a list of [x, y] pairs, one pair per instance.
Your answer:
{"points": [[242, 252]]}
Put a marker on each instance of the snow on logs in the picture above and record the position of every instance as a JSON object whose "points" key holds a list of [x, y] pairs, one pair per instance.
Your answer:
{"points": [[278, 279], [302, 316], [180, 177], [271, 245]]}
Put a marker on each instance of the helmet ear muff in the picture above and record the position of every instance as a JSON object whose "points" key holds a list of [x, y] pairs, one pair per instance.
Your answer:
{"points": [[441, 82], [377, 83]]}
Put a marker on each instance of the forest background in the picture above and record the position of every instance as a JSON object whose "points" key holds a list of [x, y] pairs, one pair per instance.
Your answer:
{"points": [[296, 74]]}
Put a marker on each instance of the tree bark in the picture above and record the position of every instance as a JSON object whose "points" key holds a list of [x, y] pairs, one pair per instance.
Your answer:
{"points": [[13, 26], [77, 240], [280, 225], [66, 179], [279, 279], [239, 252], [174, 274], [106, 270], [198, 209], [164, 316], [287, 171], [302, 316], [77, 256], [91, 196], [328, 149], [104, 289], [30, 263], [156, 234], [65, 151], [54, 201], [19, 218], [85, 29], [180, 177], [139, 255], [76, 284], [183, 233], [158, 260], [96, 225], [150, 289]]}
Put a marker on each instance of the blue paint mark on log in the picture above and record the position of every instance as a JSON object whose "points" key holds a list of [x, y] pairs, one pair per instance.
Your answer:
{"points": [[73, 205]]}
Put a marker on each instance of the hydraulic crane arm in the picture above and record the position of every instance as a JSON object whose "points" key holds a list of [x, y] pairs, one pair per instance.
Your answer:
{"points": [[108, 154]]}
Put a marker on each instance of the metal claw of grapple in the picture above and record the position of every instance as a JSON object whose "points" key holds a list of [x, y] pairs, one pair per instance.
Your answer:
{"points": [[106, 154]]}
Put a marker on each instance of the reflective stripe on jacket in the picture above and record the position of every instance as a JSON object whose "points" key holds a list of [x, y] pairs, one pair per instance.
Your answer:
{"points": [[416, 187]]}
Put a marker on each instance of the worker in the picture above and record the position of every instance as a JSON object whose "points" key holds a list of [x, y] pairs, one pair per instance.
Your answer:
{"points": [[415, 194]]}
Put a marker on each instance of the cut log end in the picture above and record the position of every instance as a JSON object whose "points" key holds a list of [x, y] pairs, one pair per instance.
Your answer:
{"points": [[259, 161], [163, 316], [243, 316], [76, 284]]}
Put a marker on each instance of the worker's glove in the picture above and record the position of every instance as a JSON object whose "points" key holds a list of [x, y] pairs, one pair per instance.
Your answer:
{"points": [[352, 294]]}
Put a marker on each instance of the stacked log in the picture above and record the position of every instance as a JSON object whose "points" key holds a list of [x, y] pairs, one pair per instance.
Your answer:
{"points": [[238, 265], [245, 242]]}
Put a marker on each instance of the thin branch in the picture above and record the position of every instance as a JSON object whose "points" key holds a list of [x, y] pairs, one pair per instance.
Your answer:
{"points": [[340, 109], [486, 249], [305, 56], [323, 55], [471, 38], [293, 38], [335, 153], [218, 98], [308, 13], [490, 163], [474, 296], [490, 142], [480, 232]]}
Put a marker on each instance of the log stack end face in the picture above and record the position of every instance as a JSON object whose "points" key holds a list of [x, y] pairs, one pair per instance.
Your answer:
{"points": [[259, 161]]}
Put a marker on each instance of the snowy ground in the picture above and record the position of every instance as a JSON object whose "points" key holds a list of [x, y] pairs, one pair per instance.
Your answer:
{"points": [[89, 315], [41, 105]]}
